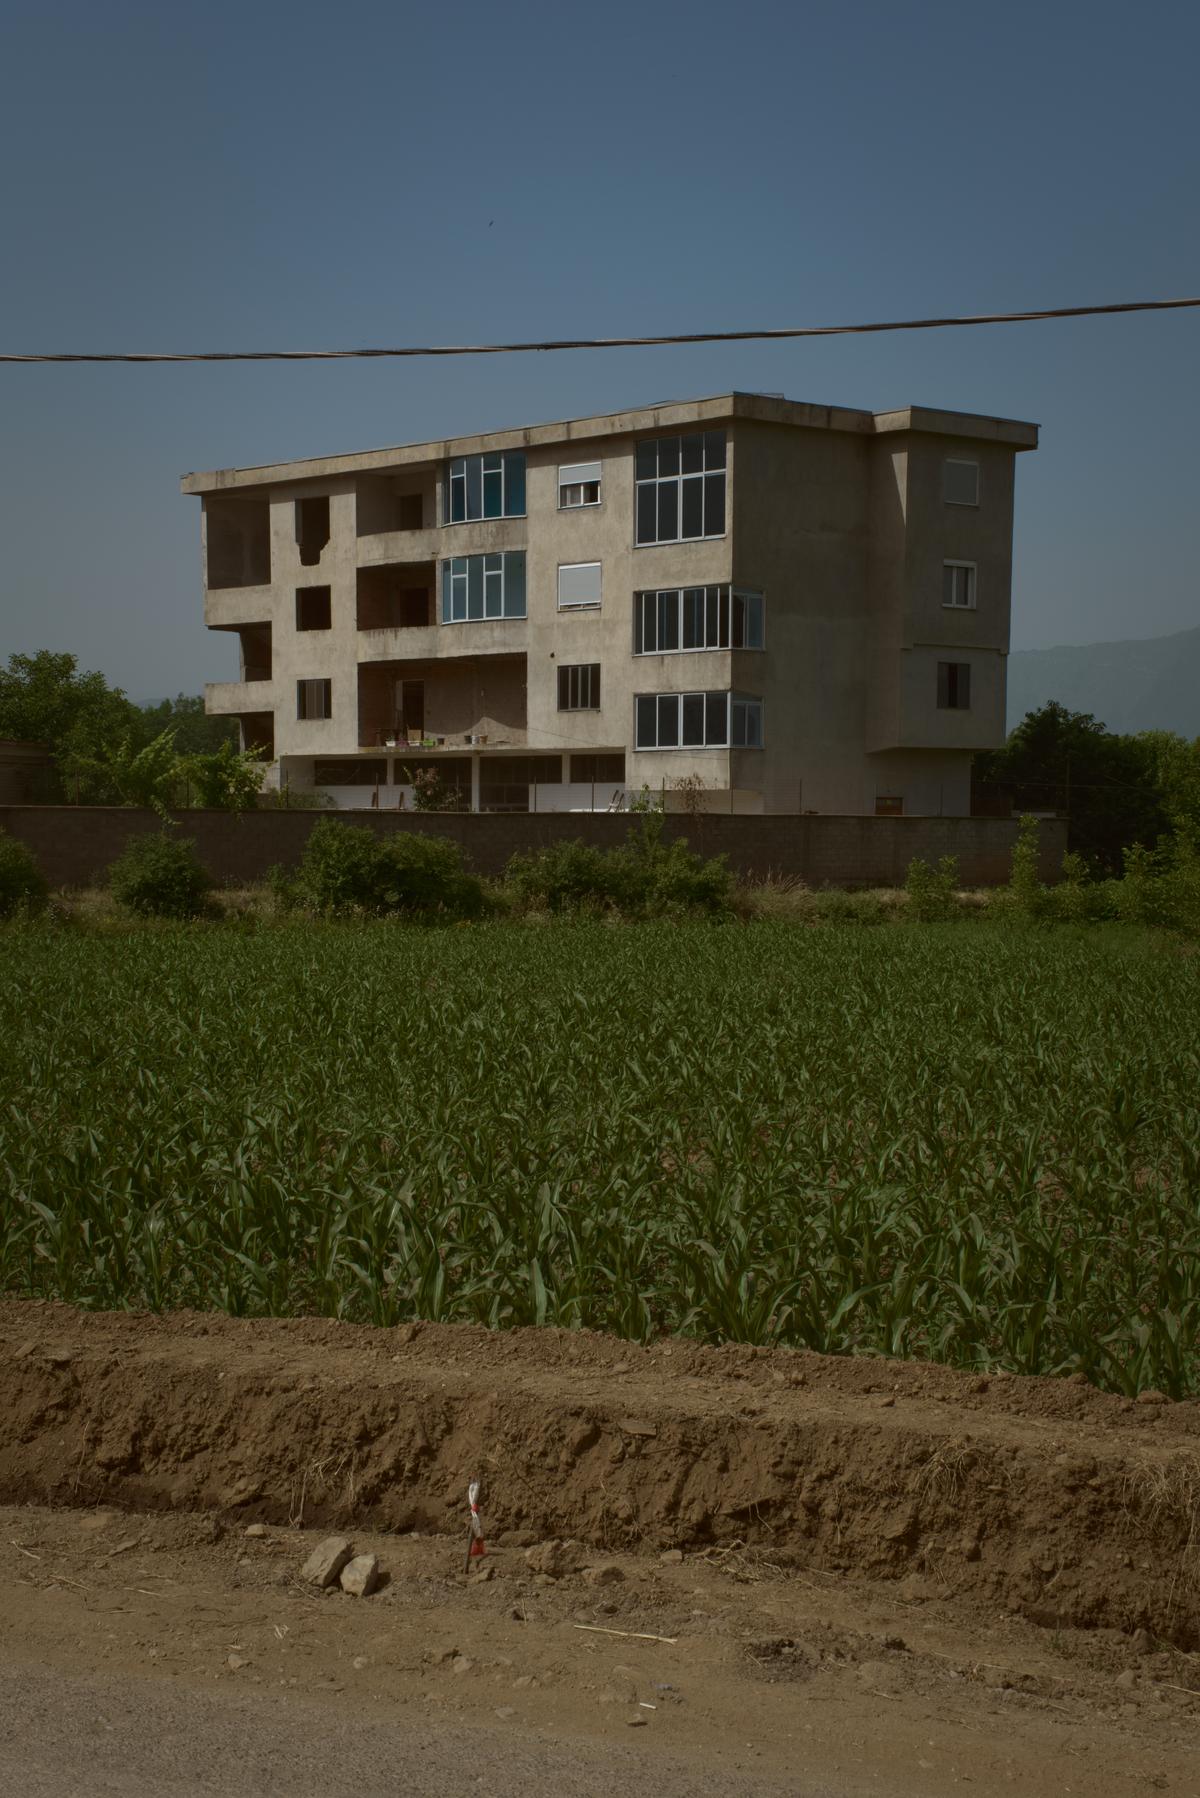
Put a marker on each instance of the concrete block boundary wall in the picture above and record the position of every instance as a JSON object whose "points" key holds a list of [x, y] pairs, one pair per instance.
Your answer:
{"points": [[74, 845]]}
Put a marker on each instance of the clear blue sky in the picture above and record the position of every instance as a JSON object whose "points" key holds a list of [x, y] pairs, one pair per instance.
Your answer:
{"points": [[264, 176]]}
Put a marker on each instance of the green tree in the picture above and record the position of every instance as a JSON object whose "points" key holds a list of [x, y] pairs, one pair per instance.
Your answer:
{"points": [[196, 731], [1108, 785], [228, 780], [129, 773], [45, 699]]}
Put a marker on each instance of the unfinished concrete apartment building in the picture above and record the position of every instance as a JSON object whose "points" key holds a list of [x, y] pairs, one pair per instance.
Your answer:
{"points": [[793, 608]]}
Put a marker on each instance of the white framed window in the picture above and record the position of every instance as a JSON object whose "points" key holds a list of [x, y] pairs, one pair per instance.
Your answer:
{"points": [[579, 687], [476, 587], [314, 699], [680, 483], [578, 485], [578, 584], [958, 585], [697, 721], [485, 487], [667, 620], [960, 482]]}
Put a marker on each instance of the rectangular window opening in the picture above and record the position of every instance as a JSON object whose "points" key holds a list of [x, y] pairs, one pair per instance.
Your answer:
{"points": [[579, 687], [312, 528], [491, 486], [680, 483], [958, 585], [712, 720], [889, 805], [578, 584], [960, 482], [954, 686], [314, 699], [692, 618], [476, 587], [578, 485], [314, 608]]}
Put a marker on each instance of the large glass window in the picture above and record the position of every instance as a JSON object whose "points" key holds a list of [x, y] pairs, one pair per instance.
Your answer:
{"points": [[697, 721], [671, 618], [485, 486], [680, 487], [483, 587]]}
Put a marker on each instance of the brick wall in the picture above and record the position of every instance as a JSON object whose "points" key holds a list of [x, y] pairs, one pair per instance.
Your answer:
{"points": [[75, 844]]}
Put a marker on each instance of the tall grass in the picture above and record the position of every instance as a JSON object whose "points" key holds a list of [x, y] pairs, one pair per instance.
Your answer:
{"points": [[981, 1147]]}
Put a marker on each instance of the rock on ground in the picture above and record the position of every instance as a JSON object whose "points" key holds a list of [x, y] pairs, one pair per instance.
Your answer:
{"points": [[360, 1576], [326, 1561]]}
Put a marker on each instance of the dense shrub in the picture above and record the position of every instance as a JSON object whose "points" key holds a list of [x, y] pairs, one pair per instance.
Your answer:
{"points": [[932, 892], [644, 878], [22, 887], [347, 868], [161, 876]]}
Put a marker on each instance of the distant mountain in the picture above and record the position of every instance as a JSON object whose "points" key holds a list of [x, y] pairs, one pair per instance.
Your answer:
{"points": [[1151, 683]]}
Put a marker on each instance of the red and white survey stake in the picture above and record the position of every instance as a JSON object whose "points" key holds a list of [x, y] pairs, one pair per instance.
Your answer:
{"points": [[476, 1545]]}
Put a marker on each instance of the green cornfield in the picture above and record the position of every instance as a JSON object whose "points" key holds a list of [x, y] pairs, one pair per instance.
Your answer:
{"points": [[979, 1146]]}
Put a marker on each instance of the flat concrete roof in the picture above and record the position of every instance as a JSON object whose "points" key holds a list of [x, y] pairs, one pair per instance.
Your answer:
{"points": [[678, 415]]}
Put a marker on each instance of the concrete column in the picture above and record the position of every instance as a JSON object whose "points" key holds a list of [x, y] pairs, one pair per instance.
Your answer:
{"points": [[475, 783]]}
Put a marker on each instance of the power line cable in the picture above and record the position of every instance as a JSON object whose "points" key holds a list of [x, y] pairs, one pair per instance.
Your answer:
{"points": [[611, 343]]}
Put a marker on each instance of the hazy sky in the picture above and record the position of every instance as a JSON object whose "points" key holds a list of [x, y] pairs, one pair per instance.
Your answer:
{"points": [[267, 176]]}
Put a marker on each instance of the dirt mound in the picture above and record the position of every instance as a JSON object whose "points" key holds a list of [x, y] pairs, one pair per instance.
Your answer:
{"points": [[1042, 1497]]}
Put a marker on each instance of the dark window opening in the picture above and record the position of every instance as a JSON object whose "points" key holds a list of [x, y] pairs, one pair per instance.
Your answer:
{"points": [[312, 528], [579, 688], [258, 732], [314, 699], [237, 542], [314, 608], [411, 510], [680, 487], [255, 644], [598, 768], [889, 805], [954, 686]]}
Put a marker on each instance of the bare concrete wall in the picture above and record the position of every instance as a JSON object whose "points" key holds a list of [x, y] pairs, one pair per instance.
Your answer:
{"points": [[75, 844]]}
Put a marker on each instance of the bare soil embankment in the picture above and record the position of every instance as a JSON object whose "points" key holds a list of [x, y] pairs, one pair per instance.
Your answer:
{"points": [[1041, 1497]]}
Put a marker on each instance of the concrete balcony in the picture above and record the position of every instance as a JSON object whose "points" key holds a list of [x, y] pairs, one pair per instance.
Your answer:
{"points": [[227, 607], [455, 702], [444, 642], [381, 547], [231, 696]]}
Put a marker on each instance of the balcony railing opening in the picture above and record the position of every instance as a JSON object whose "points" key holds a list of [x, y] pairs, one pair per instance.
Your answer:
{"points": [[255, 644], [237, 541], [469, 703], [396, 598], [402, 502]]}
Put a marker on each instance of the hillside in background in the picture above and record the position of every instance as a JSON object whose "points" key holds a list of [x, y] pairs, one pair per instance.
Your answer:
{"points": [[1149, 684]]}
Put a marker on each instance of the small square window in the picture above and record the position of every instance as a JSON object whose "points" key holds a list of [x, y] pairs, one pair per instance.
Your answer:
{"points": [[579, 584], [578, 485], [960, 483], [314, 699], [579, 688], [314, 609], [889, 805], [958, 585]]}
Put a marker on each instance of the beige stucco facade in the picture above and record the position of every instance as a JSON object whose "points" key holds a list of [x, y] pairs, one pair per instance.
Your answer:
{"points": [[839, 519]]}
